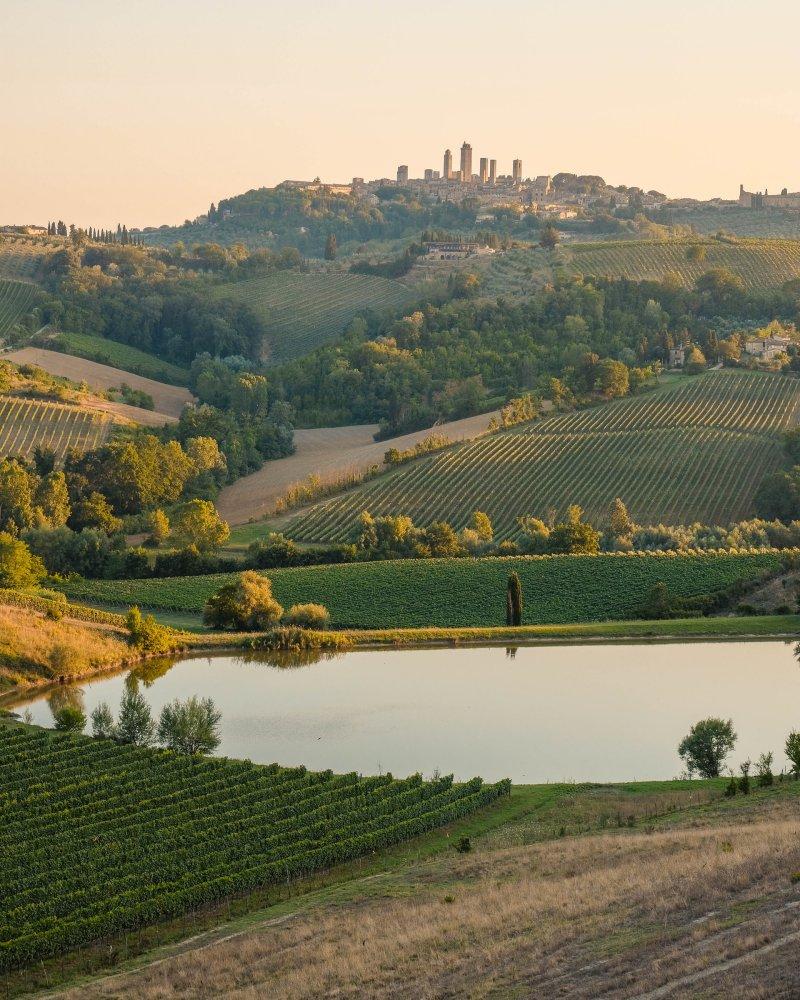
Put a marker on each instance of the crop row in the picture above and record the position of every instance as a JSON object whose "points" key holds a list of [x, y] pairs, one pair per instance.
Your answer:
{"points": [[303, 310], [415, 593], [28, 423], [99, 838]]}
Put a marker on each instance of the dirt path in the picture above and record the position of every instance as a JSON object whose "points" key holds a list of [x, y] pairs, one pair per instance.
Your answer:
{"points": [[328, 452], [169, 399]]}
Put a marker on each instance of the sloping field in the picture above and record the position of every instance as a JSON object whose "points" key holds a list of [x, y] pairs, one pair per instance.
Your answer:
{"points": [[695, 452], [168, 399], [151, 835], [416, 593], [16, 299], [21, 259], [759, 262], [329, 452], [122, 356], [26, 423], [303, 310]]}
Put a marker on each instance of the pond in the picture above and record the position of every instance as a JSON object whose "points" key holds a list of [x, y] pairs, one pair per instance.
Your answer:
{"points": [[535, 714]]}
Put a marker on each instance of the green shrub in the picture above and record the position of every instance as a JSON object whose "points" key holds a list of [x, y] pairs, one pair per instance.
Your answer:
{"points": [[308, 616]]}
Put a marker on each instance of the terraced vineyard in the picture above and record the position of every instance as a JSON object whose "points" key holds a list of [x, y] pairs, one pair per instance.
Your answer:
{"points": [[16, 299], [759, 262], [303, 310], [151, 835], [695, 452], [26, 423]]}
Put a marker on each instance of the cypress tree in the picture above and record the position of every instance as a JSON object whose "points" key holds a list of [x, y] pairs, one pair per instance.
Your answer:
{"points": [[514, 600]]}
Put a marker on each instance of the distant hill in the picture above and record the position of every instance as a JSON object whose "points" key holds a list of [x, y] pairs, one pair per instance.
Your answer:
{"points": [[303, 310], [677, 455], [759, 263]]}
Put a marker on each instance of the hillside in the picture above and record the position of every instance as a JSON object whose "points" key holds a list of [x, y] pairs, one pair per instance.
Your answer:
{"points": [[695, 452], [117, 355], [458, 592], [303, 310], [28, 423], [758, 262], [16, 300]]}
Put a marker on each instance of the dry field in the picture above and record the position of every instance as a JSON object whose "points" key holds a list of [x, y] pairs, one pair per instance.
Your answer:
{"points": [[168, 399], [329, 452], [701, 903]]}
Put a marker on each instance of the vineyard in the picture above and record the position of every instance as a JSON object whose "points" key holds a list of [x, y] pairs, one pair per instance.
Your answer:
{"points": [[28, 423], [117, 355], [304, 310], [693, 453], [415, 593], [21, 259], [759, 262], [16, 299], [99, 838]]}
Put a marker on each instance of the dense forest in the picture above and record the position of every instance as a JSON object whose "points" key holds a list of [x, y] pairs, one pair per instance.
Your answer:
{"points": [[452, 360]]}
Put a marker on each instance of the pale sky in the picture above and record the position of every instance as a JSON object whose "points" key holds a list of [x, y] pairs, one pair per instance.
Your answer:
{"points": [[144, 111]]}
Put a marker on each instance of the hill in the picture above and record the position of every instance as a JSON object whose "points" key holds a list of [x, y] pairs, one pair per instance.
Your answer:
{"points": [[694, 452], [303, 310], [26, 423], [16, 300], [415, 593], [117, 355], [758, 262]]}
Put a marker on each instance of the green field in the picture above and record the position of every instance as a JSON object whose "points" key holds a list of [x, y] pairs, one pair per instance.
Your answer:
{"points": [[695, 451], [303, 310], [16, 299], [110, 352], [99, 838], [28, 423], [454, 592], [759, 262]]}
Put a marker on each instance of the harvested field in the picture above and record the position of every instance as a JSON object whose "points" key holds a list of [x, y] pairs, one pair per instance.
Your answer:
{"points": [[168, 399], [329, 452]]}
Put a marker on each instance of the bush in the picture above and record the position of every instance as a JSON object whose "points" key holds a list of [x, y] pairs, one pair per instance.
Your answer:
{"points": [[246, 605], [69, 719], [190, 726], [308, 616], [707, 745], [147, 635]]}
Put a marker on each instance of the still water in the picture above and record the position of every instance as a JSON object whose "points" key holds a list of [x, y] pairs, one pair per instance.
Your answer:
{"points": [[535, 714]]}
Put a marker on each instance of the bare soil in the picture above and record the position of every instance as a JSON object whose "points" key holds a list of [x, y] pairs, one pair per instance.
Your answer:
{"points": [[327, 452], [169, 399]]}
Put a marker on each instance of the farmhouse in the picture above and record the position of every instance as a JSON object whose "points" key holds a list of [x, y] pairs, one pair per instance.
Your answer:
{"points": [[766, 348], [677, 357], [454, 250]]}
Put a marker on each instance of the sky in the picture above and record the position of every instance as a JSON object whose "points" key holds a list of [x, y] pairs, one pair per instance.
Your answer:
{"points": [[145, 111]]}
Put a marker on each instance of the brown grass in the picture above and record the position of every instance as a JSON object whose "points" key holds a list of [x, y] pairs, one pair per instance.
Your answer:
{"points": [[35, 649], [612, 915]]}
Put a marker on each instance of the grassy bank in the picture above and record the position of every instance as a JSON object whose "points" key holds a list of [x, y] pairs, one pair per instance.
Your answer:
{"points": [[450, 593]]}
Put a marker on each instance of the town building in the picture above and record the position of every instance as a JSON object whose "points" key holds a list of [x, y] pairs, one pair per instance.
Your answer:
{"points": [[466, 163], [492, 171], [447, 172], [483, 173], [516, 171], [402, 174], [755, 199], [677, 356]]}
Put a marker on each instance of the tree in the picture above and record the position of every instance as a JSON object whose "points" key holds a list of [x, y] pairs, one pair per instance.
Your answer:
{"points": [[536, 532], [695, 361], [793, 752], [707, 745], [103, 727], [190, 726], [620, 523], [778, 495], [612, 378], [482, 526], [330, 247], [148, 635], [764, 773], [514, 600], [69, 719], [135, 724], [574, 536], [16, 496], [246, 604], [549, 237], [658, 603], [158, 522], [52, 501], [199, 524], [95, 512], [18, 567]]}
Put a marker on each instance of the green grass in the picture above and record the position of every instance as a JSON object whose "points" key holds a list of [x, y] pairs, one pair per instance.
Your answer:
{"points": [[458, 592], [303, 310], [759, 262], [130, 359], [696, 451], [152, 834]]}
